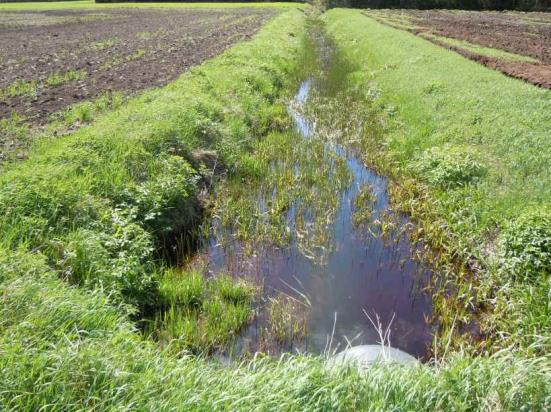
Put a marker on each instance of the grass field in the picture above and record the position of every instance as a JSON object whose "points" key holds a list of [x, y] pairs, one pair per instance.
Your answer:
{"points": [[102, 307]]}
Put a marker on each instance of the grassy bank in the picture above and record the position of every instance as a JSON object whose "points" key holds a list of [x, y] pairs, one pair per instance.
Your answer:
{"points": [[110, 206], [469, 149]]}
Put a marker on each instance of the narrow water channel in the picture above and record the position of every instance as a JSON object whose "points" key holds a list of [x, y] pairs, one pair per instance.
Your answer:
{"points": [[364, 273]]}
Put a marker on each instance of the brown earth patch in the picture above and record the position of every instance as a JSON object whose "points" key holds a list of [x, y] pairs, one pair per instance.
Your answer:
{"points": [[125, 50], [538, 74], [524, 34]]}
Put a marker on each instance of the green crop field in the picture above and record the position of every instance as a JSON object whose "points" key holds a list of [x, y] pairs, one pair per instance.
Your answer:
{"points": [[201, 204]]}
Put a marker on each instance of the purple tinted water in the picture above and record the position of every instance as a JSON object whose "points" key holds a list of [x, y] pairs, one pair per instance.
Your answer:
{"points": [[362, 273]]}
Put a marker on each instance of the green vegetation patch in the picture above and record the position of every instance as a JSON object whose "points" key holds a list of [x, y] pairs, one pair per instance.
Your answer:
{"points": [[20, 88], [103, 203], [18, 135], [104, 44], [31, 88], [201, 314], [448, 167], [66, 346], [58, 79], [287, 172], [480, 50], [468, 152], [526, 246]]}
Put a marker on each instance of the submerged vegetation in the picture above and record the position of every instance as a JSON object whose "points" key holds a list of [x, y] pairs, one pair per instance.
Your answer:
{"points": [[291, 175]]}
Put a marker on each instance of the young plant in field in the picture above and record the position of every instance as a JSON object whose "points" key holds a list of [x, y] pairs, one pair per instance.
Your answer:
{"points": [[57, 79], [20, 88], [104, 44]]}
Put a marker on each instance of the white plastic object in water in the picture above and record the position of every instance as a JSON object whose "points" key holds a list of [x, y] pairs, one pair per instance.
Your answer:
{"points": [[367, 355]]}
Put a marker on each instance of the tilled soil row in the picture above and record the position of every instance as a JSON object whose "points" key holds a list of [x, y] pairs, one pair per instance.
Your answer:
{"points": [[525, 34], [538, 74], [117, 50]]}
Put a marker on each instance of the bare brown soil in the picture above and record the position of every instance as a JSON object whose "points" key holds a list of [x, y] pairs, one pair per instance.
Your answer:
{"points": [[525, 34], [118, 50]]}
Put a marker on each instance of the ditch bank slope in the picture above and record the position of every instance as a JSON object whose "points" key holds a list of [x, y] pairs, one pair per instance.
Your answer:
{"points": [[75, 347], [469, 149], [101, 208]]}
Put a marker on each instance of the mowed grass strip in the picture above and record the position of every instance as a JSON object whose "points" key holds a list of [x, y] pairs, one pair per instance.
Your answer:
{"points": [[469, 150], [480, 50]]}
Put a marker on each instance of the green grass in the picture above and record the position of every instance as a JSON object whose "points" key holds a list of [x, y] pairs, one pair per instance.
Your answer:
{"points": [[198, 314], [18, 135], [64, 346], [101, 201], [481, 50], [468, 150], [57, 79], [104, 44], [88, 4], [20, 88], [31, 88]]}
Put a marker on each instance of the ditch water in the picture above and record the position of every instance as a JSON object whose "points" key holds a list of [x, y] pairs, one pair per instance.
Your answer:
{"points": [[363, 272]]}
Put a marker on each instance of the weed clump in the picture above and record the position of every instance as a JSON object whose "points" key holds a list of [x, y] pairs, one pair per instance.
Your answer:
{"points": [[182, 288], [167, 204], [116, 259], [363, 204], [526, 246], [201, 315], [286, 320], [448, 168]]}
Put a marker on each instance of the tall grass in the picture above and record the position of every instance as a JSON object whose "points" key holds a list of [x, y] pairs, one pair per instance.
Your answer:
{"points": [[198, 314], [66, 348]]}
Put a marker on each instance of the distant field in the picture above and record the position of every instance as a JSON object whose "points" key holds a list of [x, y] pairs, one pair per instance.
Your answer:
{"points": [[516, 43], [53, 59], [87, 4]]}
